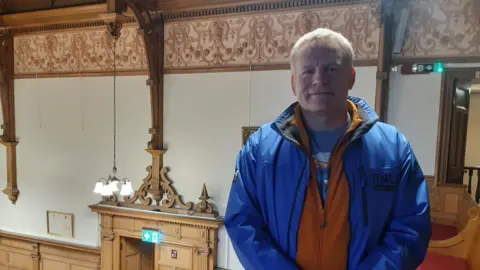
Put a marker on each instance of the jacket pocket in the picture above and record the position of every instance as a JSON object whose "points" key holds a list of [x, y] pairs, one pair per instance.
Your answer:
{"points": [[379, 188]]}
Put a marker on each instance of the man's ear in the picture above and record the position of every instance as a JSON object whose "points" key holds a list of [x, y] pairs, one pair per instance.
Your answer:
{"points": [[292, 82], [354, 76]]}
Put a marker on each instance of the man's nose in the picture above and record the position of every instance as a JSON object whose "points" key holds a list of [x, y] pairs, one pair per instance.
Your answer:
{"points": [[320, 77]]}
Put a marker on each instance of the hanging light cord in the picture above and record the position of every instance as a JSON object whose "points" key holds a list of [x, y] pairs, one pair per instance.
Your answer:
{"points": [[114, 107]]}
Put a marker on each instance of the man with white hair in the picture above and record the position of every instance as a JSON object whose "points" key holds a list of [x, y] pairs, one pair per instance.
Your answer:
{"points": [[326, 185]]}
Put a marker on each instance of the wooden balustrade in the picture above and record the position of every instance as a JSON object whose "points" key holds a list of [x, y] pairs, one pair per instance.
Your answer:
{"points": [[470, 171]]}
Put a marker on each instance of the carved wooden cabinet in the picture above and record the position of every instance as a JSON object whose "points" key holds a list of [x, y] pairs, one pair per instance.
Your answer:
{"points": [[189, 243]]}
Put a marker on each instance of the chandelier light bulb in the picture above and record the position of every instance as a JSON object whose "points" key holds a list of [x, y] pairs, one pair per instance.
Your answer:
{"points": [[126, 188], [113, 186], [98, 188]]}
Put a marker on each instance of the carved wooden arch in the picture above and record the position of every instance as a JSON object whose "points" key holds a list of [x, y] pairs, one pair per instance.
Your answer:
{"points": [[163, 196]]}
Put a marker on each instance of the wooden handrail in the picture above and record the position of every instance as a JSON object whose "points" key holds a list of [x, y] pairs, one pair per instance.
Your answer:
{"points": [[470, 170]]}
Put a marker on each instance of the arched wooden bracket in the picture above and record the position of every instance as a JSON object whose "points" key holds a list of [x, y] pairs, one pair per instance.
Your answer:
{"points": [[7, 97], [156, 192], [153, 33]]}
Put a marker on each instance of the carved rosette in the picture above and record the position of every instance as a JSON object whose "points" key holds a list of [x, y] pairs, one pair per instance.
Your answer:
{"points": [[108, 236]]}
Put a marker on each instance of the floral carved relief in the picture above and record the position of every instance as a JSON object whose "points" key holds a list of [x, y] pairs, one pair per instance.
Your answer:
{"points": [[436, 28], [79, 51], [443, 28], [264, 39]]}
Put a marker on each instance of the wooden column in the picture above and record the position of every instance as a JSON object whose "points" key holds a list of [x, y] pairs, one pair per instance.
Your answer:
{"points": [[153, 33], [7, 97], [385, 50]]}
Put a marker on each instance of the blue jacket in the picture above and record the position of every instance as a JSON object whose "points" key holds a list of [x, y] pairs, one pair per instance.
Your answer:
{"points": [[389, 209]]}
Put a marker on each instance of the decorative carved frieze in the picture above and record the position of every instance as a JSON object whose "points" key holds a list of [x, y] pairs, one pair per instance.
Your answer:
{"points": [[442, 28], [436, 28]]}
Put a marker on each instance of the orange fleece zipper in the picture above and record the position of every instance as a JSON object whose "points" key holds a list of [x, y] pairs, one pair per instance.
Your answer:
{"points": [[325, 229]]}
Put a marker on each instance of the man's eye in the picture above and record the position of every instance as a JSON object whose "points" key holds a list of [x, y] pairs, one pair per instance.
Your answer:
{"points": [[331, 69], [307, 72]]}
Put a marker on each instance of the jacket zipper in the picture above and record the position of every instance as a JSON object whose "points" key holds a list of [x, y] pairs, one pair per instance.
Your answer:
{"points": [[364, 199], [293, 207]]}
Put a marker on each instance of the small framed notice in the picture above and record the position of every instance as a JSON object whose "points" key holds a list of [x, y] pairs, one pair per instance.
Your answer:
{"points": [[60, 224]]}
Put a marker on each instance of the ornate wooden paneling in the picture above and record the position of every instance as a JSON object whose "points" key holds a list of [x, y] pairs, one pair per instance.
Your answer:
{"points": [[188, 242], [443, 28], [29, 253]]}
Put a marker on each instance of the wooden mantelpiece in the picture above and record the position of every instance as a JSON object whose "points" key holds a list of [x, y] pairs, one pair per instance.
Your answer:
{"points": [[194, 239]]}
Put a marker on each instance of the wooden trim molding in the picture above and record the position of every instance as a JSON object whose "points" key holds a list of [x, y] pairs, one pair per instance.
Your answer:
{"points": [[7, 97], [175, 10], [80, 14], [18, 251]]}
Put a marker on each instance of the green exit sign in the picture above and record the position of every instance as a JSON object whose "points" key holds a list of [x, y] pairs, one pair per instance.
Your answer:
{"points": [[427, 68], [151, 236]]}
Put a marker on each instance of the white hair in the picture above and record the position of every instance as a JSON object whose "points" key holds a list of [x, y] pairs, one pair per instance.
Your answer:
{"points": [[323, 37]]}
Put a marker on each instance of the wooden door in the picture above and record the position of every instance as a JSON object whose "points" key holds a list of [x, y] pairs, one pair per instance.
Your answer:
{"points": [[136, 255], [458, 131]]}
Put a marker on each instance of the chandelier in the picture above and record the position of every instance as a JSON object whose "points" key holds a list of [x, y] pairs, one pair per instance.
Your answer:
{"points": [[107, 187]]}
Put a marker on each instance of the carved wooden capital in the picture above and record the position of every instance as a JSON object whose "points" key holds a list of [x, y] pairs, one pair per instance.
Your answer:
{"points": [[115, 28], [109, 236], [204, 252]]}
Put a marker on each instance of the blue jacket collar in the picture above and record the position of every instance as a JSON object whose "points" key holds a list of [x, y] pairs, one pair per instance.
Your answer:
{"points": [[368, 115]]}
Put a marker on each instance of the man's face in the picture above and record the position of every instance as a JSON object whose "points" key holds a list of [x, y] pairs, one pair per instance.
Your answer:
{"points": [[320, 80]]}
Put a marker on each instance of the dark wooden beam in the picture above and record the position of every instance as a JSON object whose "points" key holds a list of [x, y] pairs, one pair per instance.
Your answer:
{"points": [[384, 11], [8, 109], [153, 33], [385, 48], [115, 6]]}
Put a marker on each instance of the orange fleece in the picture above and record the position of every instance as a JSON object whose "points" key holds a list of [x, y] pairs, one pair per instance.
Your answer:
{"points": [[324, 232]]}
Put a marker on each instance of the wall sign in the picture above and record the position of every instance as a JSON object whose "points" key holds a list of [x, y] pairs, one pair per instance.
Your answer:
{"points": [[422, 68], [174, 254], [151, 236], [60, 224]]}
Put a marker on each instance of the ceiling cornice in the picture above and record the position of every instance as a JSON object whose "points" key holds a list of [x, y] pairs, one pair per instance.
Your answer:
{"points": [[81, 14]]}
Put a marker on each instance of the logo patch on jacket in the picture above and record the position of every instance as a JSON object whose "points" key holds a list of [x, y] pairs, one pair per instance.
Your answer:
{"points": [[385, 181], [235, 176]]}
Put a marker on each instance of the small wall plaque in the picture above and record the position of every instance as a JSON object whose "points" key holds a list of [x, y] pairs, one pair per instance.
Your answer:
{"points": [[60, 224], [174, 254]]}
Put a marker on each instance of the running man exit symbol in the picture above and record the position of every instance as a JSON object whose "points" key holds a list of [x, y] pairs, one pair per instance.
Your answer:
{"points": [[152, 236]]}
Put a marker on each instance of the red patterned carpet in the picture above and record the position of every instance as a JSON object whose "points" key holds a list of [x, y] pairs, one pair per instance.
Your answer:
{"points": [[435, 261]]}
